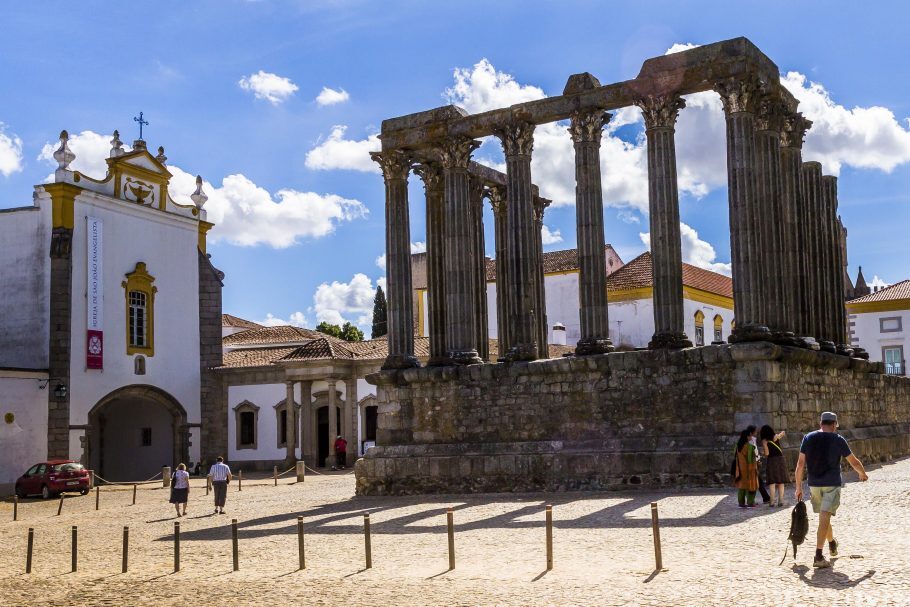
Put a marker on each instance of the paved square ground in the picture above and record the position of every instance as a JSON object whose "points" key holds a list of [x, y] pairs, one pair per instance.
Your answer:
{"points": [[714, 553]]}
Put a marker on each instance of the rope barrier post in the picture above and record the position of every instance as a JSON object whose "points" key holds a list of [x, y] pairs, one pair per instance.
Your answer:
{"points": [[655, 530], [125, 560], [240, 480], [60, 507], [301, 471], [91, 479], [235, 550], [450, 523], [300, 551], [208, 485], [135, 487], [75, 549], [15, 507], [275, 474], [549, 537], [28, 554], [176, 546], [366, 541], [97, 498], [166, 476]]}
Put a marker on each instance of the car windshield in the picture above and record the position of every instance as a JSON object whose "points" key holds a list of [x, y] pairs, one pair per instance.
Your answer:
{"points": [[70, 467]]}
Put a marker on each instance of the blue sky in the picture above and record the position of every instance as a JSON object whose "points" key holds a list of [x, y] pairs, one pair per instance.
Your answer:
{"points": [[230, 89]]}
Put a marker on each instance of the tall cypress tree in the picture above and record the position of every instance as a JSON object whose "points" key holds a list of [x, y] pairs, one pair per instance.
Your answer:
{"points": [[380, 322]]}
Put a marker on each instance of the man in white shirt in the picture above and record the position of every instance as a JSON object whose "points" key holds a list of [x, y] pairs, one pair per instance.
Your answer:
{"points": [[220, 474]]}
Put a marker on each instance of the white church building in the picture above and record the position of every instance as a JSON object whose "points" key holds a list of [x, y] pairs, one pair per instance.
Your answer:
{"points": [[109, 319]]}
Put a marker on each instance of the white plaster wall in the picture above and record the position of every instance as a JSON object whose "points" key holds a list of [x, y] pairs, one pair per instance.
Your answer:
{"points": [[561, 295], [25, 279], [631, 323], [168, 246], [264, 396], [867, 332], [691, 307], [23, 442]]}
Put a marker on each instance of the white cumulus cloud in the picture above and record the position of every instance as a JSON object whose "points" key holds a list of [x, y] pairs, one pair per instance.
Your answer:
{"points": [[340, 302], [91, 150], [271, 87], [337, 152], [10, 152], [330, 96], [296, 319], [549, 236], [695, 251], [416, 247]]}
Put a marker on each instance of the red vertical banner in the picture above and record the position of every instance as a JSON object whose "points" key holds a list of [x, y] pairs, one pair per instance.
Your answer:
{"points": [[94, 326], [94, 349]]}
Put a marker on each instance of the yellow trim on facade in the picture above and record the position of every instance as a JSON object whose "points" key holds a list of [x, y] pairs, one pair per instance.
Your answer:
{"points": [[140, 280], [63, 203], [699, 318], [420, 312], [630, 294], [706, 297], [718, 321], [891, 305], [204, 227]]}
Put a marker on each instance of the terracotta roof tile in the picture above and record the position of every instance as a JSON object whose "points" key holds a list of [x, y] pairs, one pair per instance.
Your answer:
{"points": [[637, 274], [254, 357], [553, 261], [284, 334], [899, 290], [229, 320]]}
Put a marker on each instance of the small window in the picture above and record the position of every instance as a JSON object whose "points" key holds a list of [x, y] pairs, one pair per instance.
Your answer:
{"points": [[893, 356], [718, 328], [282, 427], [890, 325], [247, 428], [699, 336], [146, 437]]}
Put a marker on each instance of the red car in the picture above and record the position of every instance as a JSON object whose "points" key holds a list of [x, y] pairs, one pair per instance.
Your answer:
{"points": [[52, 477]]}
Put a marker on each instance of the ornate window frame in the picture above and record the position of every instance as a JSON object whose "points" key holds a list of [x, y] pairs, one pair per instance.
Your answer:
{"points": [[140, 281], [279, 409], [699, 328], [246, 407], [718, 328]]}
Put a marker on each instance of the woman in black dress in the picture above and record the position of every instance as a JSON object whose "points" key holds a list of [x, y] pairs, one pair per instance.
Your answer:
{"points": [[180, 488], [776, 468]]}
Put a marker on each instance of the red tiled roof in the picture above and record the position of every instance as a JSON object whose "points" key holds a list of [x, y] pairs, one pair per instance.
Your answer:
{"points": [[899, 290], [274, 335], [553, 261], [638, 274], [229, 320], [254, 357]]}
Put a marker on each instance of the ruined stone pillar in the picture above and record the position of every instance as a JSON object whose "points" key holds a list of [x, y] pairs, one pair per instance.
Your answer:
{"points": [[660, 113], [395, 168], [431, 173], [461, 284], [593, 310], [498, 200], [740, 98], [290, 429], [794, 241], [817, 281], [518, 141], [835, 269], [330, 460], [540, 296], [481, 325], [307, 448]]}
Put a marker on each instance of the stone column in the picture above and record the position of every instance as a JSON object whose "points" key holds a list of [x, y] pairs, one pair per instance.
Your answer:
{"points": [[818, 291], [498, 200], [540, 296], [307, 450], [518, 142], [395, 167], [290, 436], [740, 97], [431, 173], [330, 461], [660, 113], [461, 284], [795, 258], [835, 269], [769, 217], [350, 417], [481, 326], [593, 310]]}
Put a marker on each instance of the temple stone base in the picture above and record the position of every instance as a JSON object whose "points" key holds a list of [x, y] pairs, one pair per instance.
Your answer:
{"points": [[624, 419]]}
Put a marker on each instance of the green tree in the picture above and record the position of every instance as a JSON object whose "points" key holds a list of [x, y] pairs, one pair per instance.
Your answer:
{"points": [[351, 333], [380, 321], [328, 329]]}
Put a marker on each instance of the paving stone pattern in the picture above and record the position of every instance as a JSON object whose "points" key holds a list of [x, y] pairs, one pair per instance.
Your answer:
{"points": [[714, 553]]}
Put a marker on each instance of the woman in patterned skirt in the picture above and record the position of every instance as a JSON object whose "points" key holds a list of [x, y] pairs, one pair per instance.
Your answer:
{"points": [[776, 468]]}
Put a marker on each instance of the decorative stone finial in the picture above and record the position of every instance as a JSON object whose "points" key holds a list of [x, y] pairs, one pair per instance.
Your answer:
{"points": [[139, 144], [116, 145], [63, 155], [198, 197], [161, 157]]}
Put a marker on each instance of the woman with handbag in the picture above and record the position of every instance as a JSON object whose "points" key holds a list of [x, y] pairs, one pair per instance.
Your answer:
{"points": [[180, 488], [777, 474]]}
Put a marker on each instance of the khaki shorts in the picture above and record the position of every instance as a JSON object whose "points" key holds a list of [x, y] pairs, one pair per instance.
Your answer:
{"points": [[825, 499]]}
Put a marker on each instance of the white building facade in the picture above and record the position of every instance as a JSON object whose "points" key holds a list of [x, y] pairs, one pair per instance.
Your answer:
{"points": [[880, 323]]}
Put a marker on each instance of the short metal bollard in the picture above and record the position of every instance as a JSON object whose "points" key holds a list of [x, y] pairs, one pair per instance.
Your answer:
{"points": [[166, 476], [125, 560], [366, 541], [75, 550], [549, 537], [97, 498], [235, 550], [208, 485], [15, 507], [300, 550], [176, 546], [450, 523], [135, 488], [301, 471], [91, 479], [655, 530], [275, 474], [60, 507], [28, 554], [240, 480]]}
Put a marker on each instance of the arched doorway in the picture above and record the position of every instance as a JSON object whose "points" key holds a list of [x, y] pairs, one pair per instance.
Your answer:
{"points": [[134, 431], [322, 426]]}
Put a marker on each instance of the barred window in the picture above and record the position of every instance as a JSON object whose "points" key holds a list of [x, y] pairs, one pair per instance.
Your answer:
{"points": [[138, 328]]}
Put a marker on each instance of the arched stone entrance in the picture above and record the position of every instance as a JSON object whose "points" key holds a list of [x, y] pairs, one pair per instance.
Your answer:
{"points": [[321, 423], [134, 431]]}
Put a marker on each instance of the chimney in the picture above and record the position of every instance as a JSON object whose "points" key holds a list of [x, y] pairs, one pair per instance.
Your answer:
{"points": [[559, 334]]}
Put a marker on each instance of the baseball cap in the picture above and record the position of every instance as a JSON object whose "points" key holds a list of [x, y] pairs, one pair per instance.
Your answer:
{"points": [[829, 417]]}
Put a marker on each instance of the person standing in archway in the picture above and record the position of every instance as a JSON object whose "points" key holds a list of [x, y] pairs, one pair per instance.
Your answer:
{"points": [[341, 452], [220, 474]]}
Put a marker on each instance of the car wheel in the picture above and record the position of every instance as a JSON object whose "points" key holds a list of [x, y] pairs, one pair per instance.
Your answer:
{"points": [[20, 492], [46, 493], [83, 492]]}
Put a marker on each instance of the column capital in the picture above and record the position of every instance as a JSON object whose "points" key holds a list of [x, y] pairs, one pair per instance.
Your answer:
{"points": [[456, 152], [395, 164], [739, 94], [496, 194], [290, 383], [540, 205], [771, 115], [660, 111], [431, 174], [517, 137], [331, 382], [586, 126], [794, 131]]}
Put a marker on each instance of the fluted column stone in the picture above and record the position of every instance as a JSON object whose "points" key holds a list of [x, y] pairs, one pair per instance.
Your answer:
{"points": [[586, 129], [815, 230], [431, 174], [837, 312], [481, 326], [540, 296], [660, 113], [395, 168], [518, 141], [461, 283], [499, 201], [740, 97], [795, 257]]}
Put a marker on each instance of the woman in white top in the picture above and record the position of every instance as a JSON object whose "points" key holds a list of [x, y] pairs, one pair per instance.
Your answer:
{"points": [[180, 488]]}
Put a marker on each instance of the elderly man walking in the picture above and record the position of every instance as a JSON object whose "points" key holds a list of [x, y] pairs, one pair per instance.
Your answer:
{"points": [[820, 454], [220, 474]]}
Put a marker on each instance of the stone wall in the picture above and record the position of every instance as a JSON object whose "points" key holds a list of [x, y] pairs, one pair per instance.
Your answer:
{"points": [[633, 418], [60, 342], [213, 406]]}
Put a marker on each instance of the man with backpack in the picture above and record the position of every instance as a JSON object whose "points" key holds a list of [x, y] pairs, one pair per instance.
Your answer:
{"points": [[820, 453]]}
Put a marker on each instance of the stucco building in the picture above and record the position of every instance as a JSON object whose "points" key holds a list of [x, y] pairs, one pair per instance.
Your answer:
{"points": [[879, 322]]}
